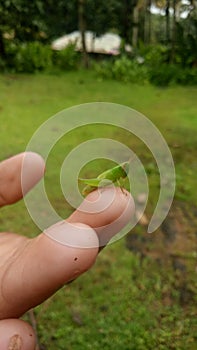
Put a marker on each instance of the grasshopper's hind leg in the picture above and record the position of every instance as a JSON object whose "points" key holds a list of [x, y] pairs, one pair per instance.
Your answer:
{"points": [[88, 189], [121, 187]]}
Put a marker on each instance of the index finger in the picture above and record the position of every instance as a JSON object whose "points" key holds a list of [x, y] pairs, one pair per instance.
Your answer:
{"points": [[11, 189]]}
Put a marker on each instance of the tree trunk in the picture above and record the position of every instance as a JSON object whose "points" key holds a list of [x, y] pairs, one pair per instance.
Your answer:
{"points": [[173, 32], [167, 21], [126, 22], [2, 46], [135, 26], [147, 22], [82, 29]]}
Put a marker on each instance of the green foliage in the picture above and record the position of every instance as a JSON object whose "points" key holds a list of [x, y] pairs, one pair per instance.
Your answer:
{"points": [[123, 69], [26, 18], [168, 74], [186, 40], [60, 17], [163, 75], [45, 20], [28, 57], [67, 59], [156, 68], [2, 65], [154, 55], [102, 16], [32, 57]]}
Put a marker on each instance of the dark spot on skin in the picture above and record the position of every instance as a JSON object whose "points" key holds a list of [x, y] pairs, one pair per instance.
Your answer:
{"points": [[75, 259]]}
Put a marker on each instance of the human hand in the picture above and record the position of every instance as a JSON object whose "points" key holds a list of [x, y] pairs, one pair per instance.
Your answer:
{"points": [[31, 270]]}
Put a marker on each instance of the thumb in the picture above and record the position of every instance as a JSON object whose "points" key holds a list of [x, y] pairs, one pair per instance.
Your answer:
{"points": [[16, 335]]}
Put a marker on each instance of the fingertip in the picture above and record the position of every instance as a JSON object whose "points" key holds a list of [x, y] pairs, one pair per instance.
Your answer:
{"points": [[113, 209], [16, 334], [18, 175], [33, 169], [35, 158], [102, 208]]}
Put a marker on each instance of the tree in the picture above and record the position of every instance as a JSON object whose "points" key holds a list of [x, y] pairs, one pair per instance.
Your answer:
{"points": [[167, 14], [173, 40], [22, 18], [148, 22], [60, 17], [82, 28], [100, 15], [127, 21], [135, 27]]}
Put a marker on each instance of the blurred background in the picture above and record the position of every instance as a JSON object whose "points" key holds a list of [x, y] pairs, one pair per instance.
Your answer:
{"points": [[142, 292]]}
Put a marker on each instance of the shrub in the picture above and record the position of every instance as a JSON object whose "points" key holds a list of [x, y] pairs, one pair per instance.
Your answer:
{"points": [[2, 65], [167, 74], [8, 61], [161, 72], [187, 76], [155, 55], [123, 69], [67, 59], [163, 75], [104, 69], [32, 57]]}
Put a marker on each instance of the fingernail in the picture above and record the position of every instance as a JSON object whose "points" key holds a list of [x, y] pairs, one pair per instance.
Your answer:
{"points": [[15, 343]]}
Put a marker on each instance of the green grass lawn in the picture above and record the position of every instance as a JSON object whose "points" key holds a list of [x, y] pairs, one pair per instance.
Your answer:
{"points": [[125, 301]]}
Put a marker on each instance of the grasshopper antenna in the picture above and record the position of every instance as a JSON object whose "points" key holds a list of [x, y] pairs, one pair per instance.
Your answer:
{"points": [[131, 159]]}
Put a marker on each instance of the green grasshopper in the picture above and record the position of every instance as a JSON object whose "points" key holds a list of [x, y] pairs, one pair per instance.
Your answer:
{"points": [[114, 175]]}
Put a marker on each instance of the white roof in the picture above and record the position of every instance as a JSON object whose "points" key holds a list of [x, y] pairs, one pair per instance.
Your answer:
{"points": [[108, 43]]}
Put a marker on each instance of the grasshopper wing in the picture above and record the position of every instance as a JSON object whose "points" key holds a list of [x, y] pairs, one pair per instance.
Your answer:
{"points": [[90, 182]]}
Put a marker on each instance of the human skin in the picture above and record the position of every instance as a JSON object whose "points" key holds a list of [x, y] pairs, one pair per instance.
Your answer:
{"points": [[25, 277]]}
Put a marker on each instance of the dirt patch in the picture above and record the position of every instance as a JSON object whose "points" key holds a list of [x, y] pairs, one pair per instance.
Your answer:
{"points": [[177, 236], [174, 244]]}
